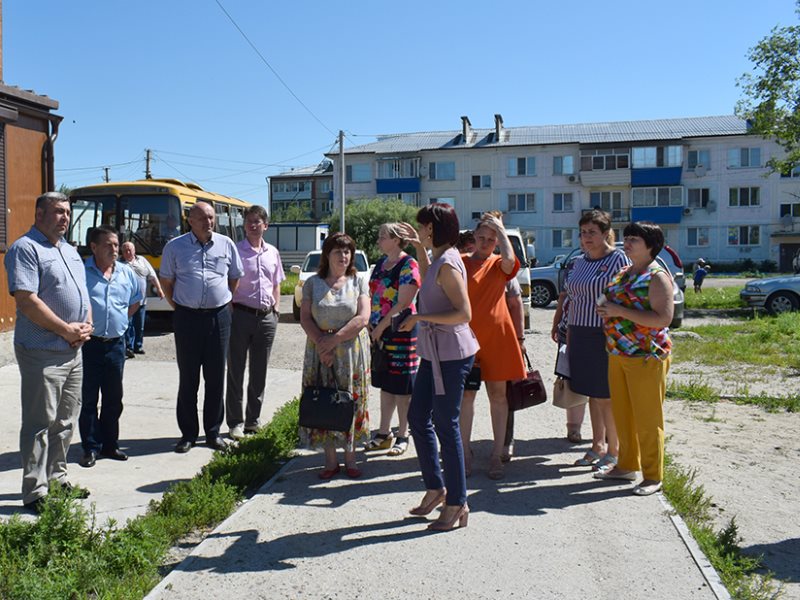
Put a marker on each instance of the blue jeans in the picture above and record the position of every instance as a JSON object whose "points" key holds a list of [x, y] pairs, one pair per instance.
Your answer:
{"points": [[134, 336], [103, 364], [430, 417]]}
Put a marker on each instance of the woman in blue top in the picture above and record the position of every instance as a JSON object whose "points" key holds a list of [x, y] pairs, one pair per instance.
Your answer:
{"points": [[586, 279]]}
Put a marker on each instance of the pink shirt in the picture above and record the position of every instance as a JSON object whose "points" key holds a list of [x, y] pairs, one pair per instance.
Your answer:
{"points": [[262, 273]]}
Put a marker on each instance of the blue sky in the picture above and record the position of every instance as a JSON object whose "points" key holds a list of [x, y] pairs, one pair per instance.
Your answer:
{"points": [[177, 77]]}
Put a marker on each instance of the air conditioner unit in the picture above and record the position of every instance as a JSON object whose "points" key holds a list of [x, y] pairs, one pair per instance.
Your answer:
{"points": [[700, 170], [573, 179], [687, 211]]}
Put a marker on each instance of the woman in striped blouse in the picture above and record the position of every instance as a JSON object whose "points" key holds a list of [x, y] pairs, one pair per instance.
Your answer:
{"points": [[587, 278]]}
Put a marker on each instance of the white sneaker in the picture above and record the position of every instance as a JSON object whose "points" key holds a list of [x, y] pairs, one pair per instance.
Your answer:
{"points": [[237, 432]]}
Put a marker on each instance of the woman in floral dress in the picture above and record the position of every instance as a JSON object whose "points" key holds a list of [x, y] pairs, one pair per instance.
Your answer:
{"points": [[334, 314]]}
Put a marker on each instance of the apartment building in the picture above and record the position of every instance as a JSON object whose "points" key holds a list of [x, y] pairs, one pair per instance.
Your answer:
{"points": [[310, 188], [702, 179]]}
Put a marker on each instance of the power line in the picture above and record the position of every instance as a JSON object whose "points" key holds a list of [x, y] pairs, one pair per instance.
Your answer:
{"points": [[274, 72], [122, 164]]}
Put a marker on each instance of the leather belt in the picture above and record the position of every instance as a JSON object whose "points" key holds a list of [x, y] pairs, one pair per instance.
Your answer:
{"points": [[104, 340], [201, 310], [255, 311]]}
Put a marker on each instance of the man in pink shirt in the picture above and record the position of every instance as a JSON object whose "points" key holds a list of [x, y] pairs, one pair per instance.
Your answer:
{"points": [[255, 318]]}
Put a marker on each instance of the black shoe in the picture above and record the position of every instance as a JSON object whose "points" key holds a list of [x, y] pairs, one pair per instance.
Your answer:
{"points": [[183, 446], [75, 491], [217, 443], [88, 459], [114, 454], [37, 506], [129, 353], [139, 351]]}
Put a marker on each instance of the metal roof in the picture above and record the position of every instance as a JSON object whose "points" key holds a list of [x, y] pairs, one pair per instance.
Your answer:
{"points": [[323, 168], [581, 133]]}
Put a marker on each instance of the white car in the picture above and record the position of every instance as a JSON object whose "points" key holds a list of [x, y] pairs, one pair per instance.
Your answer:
{"points": [[309, 268]]}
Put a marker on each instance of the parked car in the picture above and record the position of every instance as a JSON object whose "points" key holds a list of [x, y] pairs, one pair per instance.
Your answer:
{"points": [[547, 282], [776, 294], [309, 268]]}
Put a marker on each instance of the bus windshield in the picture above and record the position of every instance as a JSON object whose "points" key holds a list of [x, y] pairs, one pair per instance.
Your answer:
{"points": [[147, 220]]}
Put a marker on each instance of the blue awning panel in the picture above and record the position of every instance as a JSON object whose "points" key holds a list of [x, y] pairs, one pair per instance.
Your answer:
{"points": [[405, 185], [656, 176], [657, 214]]}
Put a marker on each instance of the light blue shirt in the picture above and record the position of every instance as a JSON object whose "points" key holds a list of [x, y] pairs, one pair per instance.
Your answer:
{"points": [[111, 298], [200, 272], [56, 275]]}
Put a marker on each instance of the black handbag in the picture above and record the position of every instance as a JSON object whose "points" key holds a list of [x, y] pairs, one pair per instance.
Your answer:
{"points": [[526, 392], [326, 408], [379, 363]]}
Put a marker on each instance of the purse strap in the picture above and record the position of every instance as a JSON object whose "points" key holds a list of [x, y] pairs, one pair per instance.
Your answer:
{"points": [[528, 361]]}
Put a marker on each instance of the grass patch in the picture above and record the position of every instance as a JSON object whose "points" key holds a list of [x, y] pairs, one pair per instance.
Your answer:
{"points": [[288, 284], [717, 298], [738, 571], [696, 391], [761, 341], [65, 554]]}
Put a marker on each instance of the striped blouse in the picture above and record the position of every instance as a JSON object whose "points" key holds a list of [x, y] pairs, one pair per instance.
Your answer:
{"points": [[587, 279]]}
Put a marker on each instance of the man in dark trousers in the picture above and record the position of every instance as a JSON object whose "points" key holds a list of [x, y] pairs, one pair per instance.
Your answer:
{"points": [[115, 295], [200, 270]]}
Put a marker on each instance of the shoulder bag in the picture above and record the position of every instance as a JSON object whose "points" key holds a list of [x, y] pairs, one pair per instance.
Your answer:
{"points": [[564, 397], [526, 392], [326, 408]]}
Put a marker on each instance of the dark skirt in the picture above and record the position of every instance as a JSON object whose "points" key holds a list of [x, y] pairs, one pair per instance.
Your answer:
{"points": [[399, 363], [588, 361]]}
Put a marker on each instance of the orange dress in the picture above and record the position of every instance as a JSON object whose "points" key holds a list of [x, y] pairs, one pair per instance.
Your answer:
{"points": [[500, 356]]}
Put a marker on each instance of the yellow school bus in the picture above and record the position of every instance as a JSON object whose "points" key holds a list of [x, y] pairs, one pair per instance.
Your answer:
{"points": [[149, 213]]}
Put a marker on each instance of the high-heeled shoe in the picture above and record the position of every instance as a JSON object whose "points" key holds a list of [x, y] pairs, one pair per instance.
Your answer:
{"points": [[461, 516], [426, 509]]}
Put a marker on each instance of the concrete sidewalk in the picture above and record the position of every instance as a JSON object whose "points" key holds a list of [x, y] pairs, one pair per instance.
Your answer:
{"points": [[547, 531]]}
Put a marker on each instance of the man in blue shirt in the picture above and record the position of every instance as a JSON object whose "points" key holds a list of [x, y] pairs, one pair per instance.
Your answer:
{"points": [[115, 295], [47, 279], [200, 270]]}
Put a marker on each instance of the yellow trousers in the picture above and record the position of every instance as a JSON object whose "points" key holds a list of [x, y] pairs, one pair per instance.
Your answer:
{"points": [[638, 387]]}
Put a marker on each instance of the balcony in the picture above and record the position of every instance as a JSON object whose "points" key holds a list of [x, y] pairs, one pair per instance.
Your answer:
{"points": [[656, 176], [657, 214], [400, 185]]}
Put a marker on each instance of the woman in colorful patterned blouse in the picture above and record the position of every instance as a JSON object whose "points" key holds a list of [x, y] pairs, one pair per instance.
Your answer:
{"points": [[637, 310], [393, 287]]}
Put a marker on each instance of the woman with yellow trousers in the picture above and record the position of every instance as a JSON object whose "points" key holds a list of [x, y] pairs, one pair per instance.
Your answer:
{"points": [[637, 308]]}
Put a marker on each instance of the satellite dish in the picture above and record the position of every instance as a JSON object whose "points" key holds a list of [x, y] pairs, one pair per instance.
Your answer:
{"points": [[787, 221], [700, 170], [711, 206]]}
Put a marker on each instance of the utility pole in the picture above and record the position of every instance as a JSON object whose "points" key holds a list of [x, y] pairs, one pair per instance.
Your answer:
{"points": [[147, 174], [105, 174], [342, 172]]}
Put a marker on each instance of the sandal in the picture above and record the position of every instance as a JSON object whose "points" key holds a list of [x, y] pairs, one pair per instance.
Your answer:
{"points": [[588, 459], [609, 461], [496, 469], [574, 436], [400, 446], [381, 441]]}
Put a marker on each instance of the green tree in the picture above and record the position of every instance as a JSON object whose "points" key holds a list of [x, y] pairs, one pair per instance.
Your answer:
{"points": [[363, 218], [771, 92], [293, 213]]}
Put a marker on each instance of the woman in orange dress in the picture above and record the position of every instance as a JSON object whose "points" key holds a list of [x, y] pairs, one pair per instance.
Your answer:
{"points": [[500, 357]]}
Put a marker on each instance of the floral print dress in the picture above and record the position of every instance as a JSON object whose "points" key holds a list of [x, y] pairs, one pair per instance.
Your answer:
{"points": [[332, 309]]}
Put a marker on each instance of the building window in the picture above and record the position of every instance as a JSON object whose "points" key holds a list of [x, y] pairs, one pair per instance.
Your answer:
{"points": [[326, 207], [442, 171], [324, 186], [745, 196], [697, 197], [790, 208], [481, 181], [397, 168], [744, 235], [562, 238], [611, 202], [562, 202], [563, 165], [657, 156], [605, 159], [449, 201], [358, 173], [522, 202], [744, 157], [695, 158], [521, 166], [657, 196], [697, 236]]}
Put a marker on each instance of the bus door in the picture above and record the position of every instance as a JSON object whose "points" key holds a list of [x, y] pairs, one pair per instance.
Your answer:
{"points": [[89, 212], [150, 221]]}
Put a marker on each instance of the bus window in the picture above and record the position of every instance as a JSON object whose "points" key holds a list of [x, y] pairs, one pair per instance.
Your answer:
{"points": [[150, 221], [223, 219], [237, 221], [87, 213]]}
